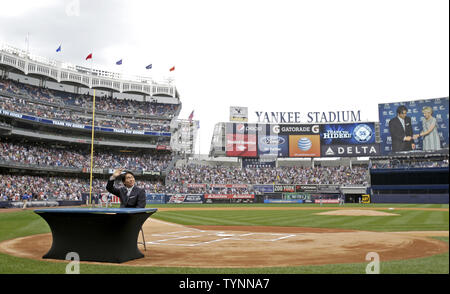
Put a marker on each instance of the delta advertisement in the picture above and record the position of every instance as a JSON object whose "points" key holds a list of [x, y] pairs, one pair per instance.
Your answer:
{"points": [[439, 112], [343, 140], [313, 140]]}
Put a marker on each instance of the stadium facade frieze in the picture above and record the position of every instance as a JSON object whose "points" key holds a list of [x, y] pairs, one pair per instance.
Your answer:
{"points": [[29, 64]]}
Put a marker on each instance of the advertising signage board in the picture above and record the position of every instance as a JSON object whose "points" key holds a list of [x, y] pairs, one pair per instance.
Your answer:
{"points": [[302, 140]]}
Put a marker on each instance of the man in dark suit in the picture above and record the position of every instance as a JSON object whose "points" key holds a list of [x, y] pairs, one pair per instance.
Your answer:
{"points": [[130, 195], [401, 131]]}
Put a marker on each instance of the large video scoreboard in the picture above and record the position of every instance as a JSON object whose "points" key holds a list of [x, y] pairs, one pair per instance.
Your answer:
{"points": [[440, 109], [301, 140]]}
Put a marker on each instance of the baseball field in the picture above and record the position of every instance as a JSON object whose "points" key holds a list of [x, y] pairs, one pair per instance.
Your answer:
{"points": [[255, 239]]}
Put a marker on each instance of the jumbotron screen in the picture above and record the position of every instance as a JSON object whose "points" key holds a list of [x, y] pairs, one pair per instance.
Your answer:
{"points": [[438, 109], [301, 140]]}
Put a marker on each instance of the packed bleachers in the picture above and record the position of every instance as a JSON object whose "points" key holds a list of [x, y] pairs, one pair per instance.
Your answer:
{"points": [[76, 108], [111, 112], [179, 179], [205, 179], [84, 101], [13, 187], [42, 155], [281, 175], [58, 113]]}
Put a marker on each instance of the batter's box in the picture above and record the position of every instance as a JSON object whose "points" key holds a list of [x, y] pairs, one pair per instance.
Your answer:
{"points": [[266, 237], [197, 238], [177, 234], [189, 240]]}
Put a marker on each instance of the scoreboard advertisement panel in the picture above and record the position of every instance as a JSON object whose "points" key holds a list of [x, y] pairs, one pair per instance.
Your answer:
{"points": [[241, 139], [304, 146], [348, 134], [302, 140], [243, 145], [353, 139], [277, 145], [271, 143]]}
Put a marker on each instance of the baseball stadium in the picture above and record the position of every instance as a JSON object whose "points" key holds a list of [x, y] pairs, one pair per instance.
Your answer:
{"points": [[271, 197]]}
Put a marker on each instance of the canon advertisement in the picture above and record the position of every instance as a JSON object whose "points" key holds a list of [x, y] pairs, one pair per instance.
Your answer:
{"points": [[241, 140]]}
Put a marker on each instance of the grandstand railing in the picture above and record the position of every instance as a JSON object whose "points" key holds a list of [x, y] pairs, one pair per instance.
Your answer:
{"points": [[83, 140]]}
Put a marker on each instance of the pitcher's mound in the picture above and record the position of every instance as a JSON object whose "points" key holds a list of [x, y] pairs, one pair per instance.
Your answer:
{"points": [[357, 212]]}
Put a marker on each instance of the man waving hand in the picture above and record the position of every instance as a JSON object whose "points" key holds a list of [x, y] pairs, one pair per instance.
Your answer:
{"points": [[130, 195]]}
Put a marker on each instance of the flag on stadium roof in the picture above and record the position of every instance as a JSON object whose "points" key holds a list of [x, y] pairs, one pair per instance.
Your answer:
{"points": [[119, 62], [149, 66], [89, 56], [191, 116], [172, 69], [59, 49]]}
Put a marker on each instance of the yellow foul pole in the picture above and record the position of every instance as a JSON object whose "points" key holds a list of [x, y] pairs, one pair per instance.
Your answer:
{"points": [[92, 149]]}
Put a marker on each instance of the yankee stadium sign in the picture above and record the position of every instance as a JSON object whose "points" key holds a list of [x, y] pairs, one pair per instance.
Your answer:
{"points": [[310, 117]]}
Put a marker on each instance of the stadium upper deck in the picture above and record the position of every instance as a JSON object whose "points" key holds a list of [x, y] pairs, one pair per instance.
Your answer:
{"points": [[41, 97], [17, 60]]}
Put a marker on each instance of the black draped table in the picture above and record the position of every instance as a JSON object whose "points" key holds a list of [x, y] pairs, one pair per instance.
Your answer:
{"points": [[95, 234]]}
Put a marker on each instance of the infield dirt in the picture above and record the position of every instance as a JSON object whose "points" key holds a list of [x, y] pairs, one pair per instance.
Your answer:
{"points": [[173, 245]]}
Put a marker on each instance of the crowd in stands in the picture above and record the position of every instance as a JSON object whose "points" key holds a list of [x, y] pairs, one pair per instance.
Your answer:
{"points": [[60, 188], [14, 187], [84, 101], [179, 178], [22, 106], [47, 156]]}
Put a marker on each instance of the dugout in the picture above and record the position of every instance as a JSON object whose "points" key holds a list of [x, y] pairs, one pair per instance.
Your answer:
{"points": [[355, 194]]}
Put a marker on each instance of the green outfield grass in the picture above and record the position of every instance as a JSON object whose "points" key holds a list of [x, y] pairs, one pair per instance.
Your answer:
{"points": [[23, 223], [408, 220]]}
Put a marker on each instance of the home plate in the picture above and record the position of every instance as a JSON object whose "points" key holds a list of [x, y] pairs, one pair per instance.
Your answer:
{"points": [[224, 235]]}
